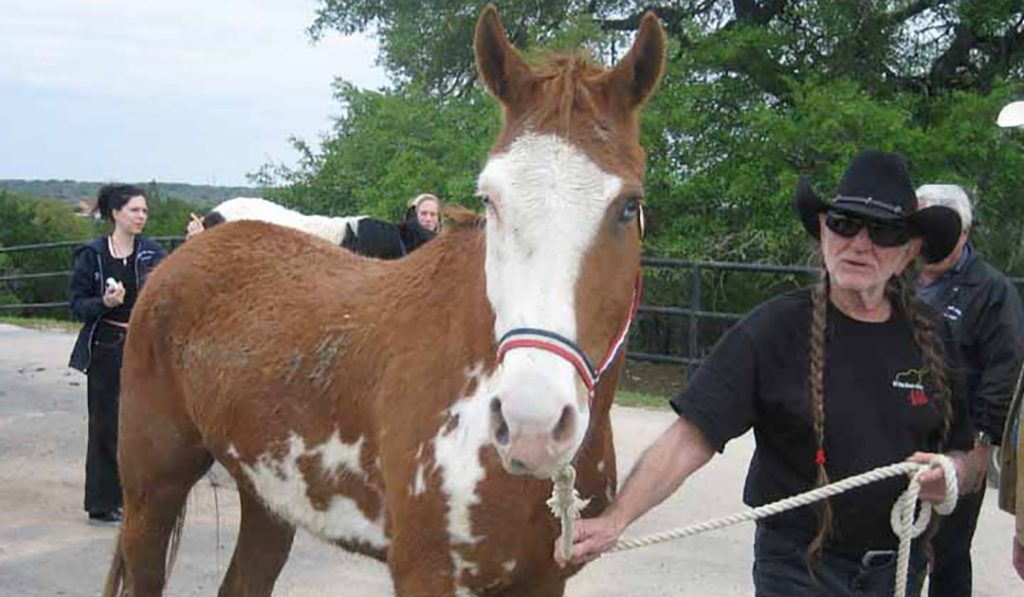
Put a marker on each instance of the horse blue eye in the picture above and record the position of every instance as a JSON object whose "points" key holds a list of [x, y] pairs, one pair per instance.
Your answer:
{"points": [[629, 210]]}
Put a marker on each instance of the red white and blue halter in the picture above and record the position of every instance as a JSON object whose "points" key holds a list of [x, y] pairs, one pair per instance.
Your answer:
{"points": [[565, 348]]}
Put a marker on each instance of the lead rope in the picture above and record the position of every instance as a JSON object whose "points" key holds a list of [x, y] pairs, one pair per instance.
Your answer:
{"points": [[566, 504]]}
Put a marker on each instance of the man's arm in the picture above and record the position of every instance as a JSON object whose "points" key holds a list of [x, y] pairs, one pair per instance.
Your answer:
{"points": [[675, 455]]}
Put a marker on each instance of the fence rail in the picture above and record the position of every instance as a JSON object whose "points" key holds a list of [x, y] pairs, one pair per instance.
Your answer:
{"points": [[693, 308]]}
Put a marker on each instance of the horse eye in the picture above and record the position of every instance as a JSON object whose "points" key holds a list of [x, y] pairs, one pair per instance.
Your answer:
{"points": [[485, 199], [629, 210]]}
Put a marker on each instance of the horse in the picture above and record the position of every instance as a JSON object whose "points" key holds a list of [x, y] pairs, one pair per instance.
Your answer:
{"points": [[363, 235], [414, 410]]}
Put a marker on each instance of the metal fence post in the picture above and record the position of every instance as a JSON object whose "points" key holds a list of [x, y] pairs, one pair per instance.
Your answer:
{"points": [[696, 304]]}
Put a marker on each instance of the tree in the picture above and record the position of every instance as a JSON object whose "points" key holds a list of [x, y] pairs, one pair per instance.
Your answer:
{"points": [[386, 149], [757, 93]]}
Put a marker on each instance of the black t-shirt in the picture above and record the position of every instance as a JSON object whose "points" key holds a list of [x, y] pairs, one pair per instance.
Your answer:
{"points": [[122, 270], [878, 410]]}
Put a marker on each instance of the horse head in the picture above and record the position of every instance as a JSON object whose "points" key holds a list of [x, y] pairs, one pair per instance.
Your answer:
{"points": [[563, 188]]}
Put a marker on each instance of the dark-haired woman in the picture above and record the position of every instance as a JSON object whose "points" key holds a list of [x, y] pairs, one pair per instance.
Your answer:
{"points": [[835, 380], [107, 276]]}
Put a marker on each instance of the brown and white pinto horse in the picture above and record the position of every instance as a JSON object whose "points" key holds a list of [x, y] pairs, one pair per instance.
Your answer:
{"points": [[365, 400]]}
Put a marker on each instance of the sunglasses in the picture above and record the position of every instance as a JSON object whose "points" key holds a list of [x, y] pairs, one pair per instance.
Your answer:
{"points": [[883, 235]]}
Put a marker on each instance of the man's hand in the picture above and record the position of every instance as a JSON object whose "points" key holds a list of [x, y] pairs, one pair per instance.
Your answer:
{"points": [[591, 538], [933, 481]]}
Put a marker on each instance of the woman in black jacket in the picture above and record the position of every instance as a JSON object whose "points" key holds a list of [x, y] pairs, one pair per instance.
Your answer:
{"points": [[108, 274]]}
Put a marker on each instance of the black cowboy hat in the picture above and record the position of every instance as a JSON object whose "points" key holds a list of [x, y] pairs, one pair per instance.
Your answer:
{"points": [[877, 187]]}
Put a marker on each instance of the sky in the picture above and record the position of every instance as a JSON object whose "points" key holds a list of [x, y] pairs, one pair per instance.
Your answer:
{"points": [[193, 91]]}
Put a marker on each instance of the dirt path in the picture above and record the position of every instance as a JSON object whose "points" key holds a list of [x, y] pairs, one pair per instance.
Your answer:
{"points": [[46, 547]]}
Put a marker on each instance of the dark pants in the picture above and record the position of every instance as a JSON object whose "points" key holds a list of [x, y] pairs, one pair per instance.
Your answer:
{"points": [[781, 570], [951, 576], [102, 483]]}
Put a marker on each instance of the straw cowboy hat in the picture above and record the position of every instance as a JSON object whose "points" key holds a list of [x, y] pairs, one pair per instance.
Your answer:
{"points": [[877, 187]]}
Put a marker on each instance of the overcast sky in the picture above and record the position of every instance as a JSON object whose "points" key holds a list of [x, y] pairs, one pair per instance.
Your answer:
{"points": [[196, 91]]}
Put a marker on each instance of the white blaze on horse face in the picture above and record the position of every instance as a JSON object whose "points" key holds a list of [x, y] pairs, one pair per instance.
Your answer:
{"points": [[549, 200], [283, 487]]}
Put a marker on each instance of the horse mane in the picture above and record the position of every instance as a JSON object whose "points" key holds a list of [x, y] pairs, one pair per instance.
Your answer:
{"points": [[566, 81]]}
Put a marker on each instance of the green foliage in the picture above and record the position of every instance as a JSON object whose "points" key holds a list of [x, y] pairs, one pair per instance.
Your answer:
{"points": [[387, 149], [756, 95], [70, 191], [26, 220]]}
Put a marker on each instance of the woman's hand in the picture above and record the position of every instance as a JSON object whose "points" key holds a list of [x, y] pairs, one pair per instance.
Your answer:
{"points": [[195, 226], [114, 295], [933, 481], [591, 538]]}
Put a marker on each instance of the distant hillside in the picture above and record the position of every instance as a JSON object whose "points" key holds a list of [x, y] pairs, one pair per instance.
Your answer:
{"points": [[71, 190]]}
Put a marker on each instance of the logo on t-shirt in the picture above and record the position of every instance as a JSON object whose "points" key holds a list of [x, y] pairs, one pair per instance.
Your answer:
{"points": [[913, 381]]}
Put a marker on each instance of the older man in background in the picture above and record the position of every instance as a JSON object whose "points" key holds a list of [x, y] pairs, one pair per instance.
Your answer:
{"points": [[984, 335]]}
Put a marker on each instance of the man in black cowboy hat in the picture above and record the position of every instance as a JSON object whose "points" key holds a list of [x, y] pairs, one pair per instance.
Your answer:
{"points": [[835, 380], [983, 327]]}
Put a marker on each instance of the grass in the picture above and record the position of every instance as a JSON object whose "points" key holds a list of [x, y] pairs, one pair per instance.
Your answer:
{"points": [[641, 400], [41, 323]]}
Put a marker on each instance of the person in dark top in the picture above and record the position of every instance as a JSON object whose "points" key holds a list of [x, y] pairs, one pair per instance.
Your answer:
{"points": [[107, 276], [835, 381], [983, 327]]}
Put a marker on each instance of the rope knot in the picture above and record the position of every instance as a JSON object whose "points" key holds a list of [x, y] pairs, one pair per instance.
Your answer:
{"points": [[565, 503]]}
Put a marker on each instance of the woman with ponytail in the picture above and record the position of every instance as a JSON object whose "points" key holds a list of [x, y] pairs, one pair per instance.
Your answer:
{"points": [[835, 380], [107, 277]]}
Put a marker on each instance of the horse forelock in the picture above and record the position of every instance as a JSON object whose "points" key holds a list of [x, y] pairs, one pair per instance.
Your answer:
{"points": [[572, 99]]}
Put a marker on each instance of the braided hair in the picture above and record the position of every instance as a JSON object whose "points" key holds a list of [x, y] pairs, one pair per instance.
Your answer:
{"points": [[900, 292]]}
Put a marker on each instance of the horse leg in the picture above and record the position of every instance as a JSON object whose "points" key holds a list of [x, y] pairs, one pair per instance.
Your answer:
{"points": [[155, 489], [550, 586], [264, 541], [418, 568]]}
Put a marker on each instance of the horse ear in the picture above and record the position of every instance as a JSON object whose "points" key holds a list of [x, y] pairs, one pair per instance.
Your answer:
{"points": [[639, 71], [502, 69], [458, 217]]}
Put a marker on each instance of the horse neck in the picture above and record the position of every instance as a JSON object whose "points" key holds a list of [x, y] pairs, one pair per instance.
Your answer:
{"points": [[444, 284]]}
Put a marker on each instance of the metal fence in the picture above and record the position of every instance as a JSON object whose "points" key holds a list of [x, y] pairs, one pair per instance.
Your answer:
{"points": [[684, 327]]}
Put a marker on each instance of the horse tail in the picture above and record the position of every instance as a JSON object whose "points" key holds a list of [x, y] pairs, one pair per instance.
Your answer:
{"points": [[175, 542], [114, 586], [115, 575]]}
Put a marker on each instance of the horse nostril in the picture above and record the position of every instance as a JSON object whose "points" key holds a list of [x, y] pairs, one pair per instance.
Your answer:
{"points": [[518, 466], [498, 423], [566, 425]]}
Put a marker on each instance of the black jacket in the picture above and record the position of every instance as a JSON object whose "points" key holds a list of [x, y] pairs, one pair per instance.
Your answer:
{"points": [[85, 292], [984, 334]]}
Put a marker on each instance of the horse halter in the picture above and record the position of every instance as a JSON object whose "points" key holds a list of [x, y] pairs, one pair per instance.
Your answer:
{"points": [[568, 350]]}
